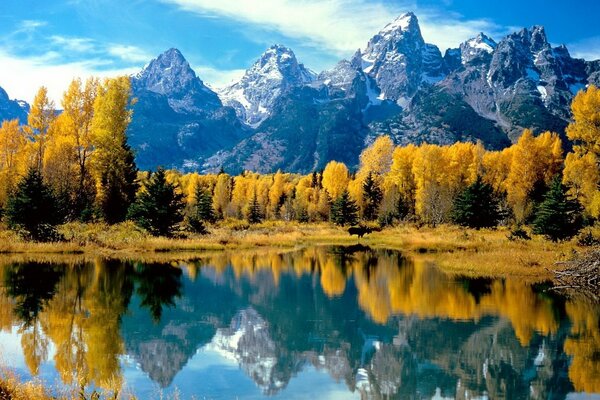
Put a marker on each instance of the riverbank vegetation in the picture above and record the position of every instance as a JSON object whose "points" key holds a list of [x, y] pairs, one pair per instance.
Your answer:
{"points": [[68, 182]]}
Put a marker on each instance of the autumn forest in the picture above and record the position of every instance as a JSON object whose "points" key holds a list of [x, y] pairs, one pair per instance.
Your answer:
{"points": [[76, 165]]}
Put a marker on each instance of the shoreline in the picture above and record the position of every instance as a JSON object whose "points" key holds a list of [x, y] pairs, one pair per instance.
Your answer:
{"points": [[456, 250]]}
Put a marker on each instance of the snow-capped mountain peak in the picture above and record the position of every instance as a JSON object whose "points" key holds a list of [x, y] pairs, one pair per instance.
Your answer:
{"points": [[276, 71], [482, 42], [171, 75], [404, 22], [479, 48]]}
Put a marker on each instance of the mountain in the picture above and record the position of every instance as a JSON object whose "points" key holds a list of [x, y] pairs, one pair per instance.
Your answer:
{"points": [[274, 73], [177, 119], [11, 109], [281, 115]]}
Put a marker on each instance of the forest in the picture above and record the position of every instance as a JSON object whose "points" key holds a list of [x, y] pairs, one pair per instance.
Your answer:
{"points": [[76, 165]]}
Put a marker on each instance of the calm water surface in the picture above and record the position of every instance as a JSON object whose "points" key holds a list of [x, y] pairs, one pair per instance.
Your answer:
{"points": [[317, 323]]}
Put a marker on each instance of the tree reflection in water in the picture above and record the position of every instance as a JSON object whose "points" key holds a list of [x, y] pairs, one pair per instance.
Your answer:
{"points": [[387, 326]]}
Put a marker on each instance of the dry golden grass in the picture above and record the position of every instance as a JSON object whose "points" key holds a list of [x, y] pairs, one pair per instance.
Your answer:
{"points": [[457, 250]]}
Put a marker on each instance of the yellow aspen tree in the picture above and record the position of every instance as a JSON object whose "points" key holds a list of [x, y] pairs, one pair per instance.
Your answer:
{"points": [[222, 194], [78, 111], [401, 176], [40, 117], [13, 158], [376, 160], [433, 201], [60, 165], [113, 166], [584, 131], [496, 168], [335, 179], [535, 160], [276, 193]]}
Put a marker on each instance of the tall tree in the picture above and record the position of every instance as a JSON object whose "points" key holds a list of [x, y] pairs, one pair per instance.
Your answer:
{"points": [[557, 217], [335, 179], [159, 205], [114, 168], [372, 195], [582, 166], [77, 115], [31, 209], [39, 120], [13, 145], [344, 210], [254, 214]]}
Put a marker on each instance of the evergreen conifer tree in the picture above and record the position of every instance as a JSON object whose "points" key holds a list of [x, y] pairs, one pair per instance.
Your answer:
{"points": [[344, 210], [477, 206], [204, 205], [202, 211], [158, 207], [372, 195], [254, 212], [32, 208], [557, 217]]}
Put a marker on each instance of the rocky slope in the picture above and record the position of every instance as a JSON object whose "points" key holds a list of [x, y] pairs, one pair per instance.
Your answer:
{"points": [[281, 115], [177, 119], [401, 86], [11, 109], [274, 73]]}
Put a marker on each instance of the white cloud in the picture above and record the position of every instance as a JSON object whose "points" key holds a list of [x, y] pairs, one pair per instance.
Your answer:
{"points": [[22, 77], [588, 49], [217, 78], [29, 25], [340, 26], [75, 44], [128, 53]]}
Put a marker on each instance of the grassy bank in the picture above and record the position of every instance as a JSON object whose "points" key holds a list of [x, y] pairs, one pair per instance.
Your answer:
{"points": [[456, 250]]}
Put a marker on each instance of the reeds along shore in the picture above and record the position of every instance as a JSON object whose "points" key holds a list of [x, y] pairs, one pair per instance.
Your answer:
{"points": [[484, 252]]}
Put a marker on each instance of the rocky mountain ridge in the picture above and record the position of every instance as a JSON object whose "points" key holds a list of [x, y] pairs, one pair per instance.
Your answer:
{"points": [[281, 115]]}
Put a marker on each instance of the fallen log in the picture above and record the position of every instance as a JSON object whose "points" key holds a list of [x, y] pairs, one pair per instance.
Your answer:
{"points": [[580, 275]]}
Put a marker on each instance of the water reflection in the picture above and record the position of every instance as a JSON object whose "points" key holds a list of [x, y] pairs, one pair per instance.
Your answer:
{"points": [[382, 325]]}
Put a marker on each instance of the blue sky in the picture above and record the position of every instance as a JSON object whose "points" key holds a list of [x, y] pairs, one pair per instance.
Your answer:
{"points": [[50, 42]]}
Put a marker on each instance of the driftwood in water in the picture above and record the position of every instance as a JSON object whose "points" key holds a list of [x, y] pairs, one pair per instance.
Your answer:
{"points": [[581, 276]]}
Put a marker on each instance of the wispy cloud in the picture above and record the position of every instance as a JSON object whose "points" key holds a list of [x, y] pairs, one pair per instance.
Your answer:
{"points": [[128, 53], [217, 78], [29, 25], [76, 44], [588, 49], [30, 58], [34, 72], [340, 26]]}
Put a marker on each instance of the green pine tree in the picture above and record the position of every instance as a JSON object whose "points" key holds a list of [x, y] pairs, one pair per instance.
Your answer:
{"points": [[121, 188], [202, 211], [32, 208], [477, 206], [158, 207], [344, 210], [557, 217], [373, 195], [254, 212], [204, 205]]}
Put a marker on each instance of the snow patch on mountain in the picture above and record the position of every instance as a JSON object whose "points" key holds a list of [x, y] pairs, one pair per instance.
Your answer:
{"points": [[255, 94]]}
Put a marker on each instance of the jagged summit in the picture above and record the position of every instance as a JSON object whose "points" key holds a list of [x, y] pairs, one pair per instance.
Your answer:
{"points": [[400, 61], [11, 109], [478, 49], [397, 85], [170, 74], [276, 71], [404, 22]]}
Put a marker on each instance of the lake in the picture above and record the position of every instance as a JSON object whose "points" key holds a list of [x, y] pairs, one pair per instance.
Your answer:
{"points": [[315, 323]]}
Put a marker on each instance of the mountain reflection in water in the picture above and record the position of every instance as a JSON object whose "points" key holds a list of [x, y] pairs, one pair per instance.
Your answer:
{"points": [[373, 323]]}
